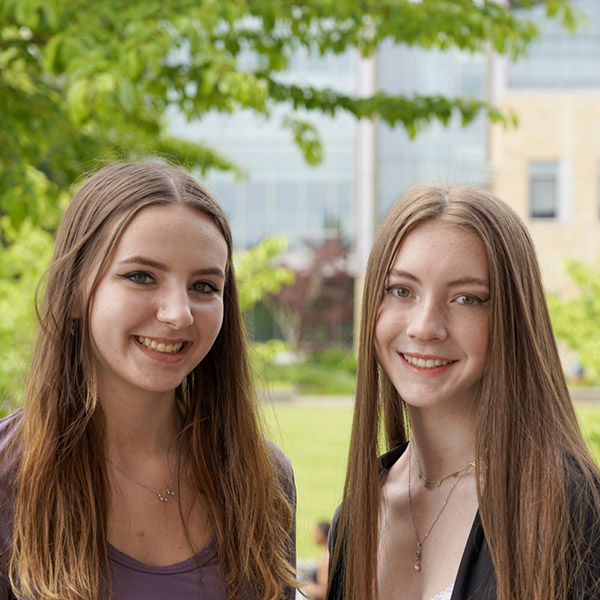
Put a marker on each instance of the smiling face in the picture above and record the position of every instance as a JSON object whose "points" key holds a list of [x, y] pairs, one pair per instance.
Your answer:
{"points": [[158, 305], [431, 333]]}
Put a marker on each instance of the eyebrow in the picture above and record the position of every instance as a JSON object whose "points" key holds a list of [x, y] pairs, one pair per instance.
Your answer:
{"points": [[142, 260], [453, 283]]}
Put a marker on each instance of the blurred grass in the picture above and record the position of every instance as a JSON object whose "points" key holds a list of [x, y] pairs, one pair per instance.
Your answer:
{"points": [[589, 417], [316, 438], [315, 435]]}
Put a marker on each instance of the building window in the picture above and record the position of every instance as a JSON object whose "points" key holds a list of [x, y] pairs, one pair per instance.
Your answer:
{"points": [[543, 190]]}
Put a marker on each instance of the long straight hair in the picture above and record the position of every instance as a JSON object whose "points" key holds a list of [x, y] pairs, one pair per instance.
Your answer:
{"points": [[537, 484], [61, 498]]}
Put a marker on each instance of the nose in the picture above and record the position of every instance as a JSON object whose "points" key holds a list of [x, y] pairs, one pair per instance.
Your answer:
{"points": [[174, 309], [427, 322]]}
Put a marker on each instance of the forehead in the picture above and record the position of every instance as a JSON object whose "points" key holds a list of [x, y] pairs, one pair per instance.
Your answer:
{"points": [[161, 228], [161, 219], [441, 248]]}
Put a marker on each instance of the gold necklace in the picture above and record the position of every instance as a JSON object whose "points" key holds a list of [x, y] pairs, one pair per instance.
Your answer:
{"points": [[162, 497], [438, 482], [412, 514]]}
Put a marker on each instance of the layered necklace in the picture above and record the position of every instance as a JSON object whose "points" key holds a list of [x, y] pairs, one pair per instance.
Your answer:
{"points": [[162, 497], [458, 475]]}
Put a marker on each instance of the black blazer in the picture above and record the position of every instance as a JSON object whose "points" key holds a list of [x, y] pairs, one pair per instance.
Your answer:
{"points": [[475, 579]]}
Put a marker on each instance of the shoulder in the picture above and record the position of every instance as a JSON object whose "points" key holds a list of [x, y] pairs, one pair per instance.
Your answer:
{"points": [[389, 459], [584, 498], [284, 470], [9, 428], [386, 461], [9, 425]]}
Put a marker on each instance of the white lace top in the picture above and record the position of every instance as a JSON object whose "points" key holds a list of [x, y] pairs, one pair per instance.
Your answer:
{"points": [[445, 595]]}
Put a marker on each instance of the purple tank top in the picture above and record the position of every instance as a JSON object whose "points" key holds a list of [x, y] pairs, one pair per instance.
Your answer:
{"points": [[195, 579]]}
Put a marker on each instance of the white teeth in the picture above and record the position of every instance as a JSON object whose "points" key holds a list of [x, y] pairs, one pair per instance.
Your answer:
{"points": [[423, 363], [159, 346]]}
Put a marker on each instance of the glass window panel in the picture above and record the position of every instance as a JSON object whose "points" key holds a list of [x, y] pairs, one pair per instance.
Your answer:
{"points": [[255, 204], [559, 59], [316, 206], [287, 193], [543, 192]]}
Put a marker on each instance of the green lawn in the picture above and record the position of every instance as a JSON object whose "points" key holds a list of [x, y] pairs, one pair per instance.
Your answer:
{"points": [[589, 416], [315, 436]]}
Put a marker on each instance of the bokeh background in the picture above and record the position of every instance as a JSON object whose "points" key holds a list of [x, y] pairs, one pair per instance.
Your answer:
{"points": [[306, 119]]}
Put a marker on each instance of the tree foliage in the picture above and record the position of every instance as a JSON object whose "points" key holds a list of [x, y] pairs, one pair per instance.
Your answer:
{"points": [[83, 83], [315, 310], [576, 320], [258, 274]]}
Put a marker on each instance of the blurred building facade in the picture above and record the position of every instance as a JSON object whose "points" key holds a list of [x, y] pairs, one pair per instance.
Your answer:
{"points": [[547, 168]]}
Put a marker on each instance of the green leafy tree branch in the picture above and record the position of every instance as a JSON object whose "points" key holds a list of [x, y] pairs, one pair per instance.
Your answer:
{"points": [[576, 320], [83, 83]]}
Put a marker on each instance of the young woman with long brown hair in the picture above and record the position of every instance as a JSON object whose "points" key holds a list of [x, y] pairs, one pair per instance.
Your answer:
{"points": [[137, 467], [486, 490]]}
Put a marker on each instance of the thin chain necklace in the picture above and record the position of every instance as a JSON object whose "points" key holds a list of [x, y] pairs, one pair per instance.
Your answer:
{"points": [[412, 514], [161, 497], [438, 482]]}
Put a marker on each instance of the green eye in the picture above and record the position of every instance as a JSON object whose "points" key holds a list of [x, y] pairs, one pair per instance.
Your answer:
{"points": [[398, 291], [140, 277], [204, 287]]}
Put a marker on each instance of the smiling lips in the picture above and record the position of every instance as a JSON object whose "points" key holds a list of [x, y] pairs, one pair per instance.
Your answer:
{"points": [[426, 363], [160, 346]]}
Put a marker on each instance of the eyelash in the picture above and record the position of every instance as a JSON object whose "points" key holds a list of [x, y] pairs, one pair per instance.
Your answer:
{"points": [[136, 276], [473, 300], [396, 288], [212, 289]]}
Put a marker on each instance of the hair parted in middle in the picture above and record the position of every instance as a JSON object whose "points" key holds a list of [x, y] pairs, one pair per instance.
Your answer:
{"points": [[61, 500], [526, 427]]}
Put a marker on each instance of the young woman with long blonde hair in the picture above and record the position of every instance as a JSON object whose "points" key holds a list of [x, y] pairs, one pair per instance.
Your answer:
{"points": [[485, 489], [137, 467]]}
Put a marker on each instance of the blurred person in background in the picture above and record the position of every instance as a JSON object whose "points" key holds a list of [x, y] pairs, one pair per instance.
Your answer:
{"points": [[317, 588]]}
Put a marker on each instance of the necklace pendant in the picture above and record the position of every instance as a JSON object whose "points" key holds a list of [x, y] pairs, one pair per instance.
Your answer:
{"points": [[418, 557]]}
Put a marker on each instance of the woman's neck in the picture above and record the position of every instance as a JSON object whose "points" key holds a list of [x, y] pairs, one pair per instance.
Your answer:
{"points": [[146, 424], [443, 444]]}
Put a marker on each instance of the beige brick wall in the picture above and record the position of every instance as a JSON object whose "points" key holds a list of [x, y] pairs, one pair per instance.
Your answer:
{"points": [[553, 126]]}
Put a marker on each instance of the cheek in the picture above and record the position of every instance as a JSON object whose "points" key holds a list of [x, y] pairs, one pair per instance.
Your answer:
{"points": [[211, 317], [476, 332], [386, 329]]}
